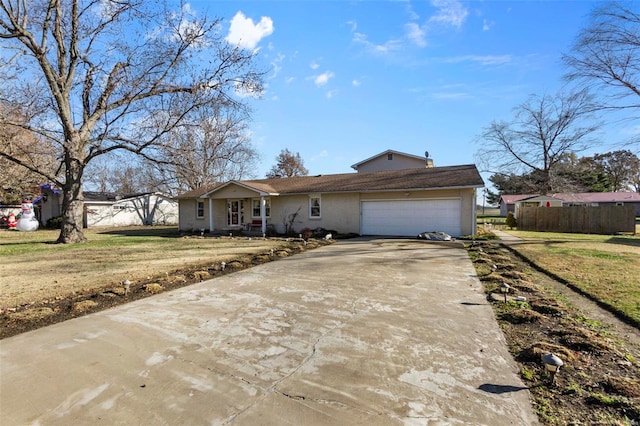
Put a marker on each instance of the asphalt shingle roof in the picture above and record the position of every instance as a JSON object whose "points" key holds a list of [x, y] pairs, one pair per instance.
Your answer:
{"points": [[407, 179]]}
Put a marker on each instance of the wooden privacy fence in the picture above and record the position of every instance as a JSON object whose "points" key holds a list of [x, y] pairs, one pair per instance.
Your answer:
{"points": [[578, 219]]}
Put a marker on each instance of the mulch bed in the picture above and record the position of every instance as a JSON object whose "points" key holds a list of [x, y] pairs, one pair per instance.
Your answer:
{"points": [[599, 383]]}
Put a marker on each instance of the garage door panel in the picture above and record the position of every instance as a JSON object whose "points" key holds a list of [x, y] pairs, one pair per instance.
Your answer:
{"points": [[409, 218]]}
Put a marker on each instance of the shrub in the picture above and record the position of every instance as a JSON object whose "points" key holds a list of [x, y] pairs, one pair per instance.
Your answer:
{"points": [[54, 222], [511, 221], [306, 233]]}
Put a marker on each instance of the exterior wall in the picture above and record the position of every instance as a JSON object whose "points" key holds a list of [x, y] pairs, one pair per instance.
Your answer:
{"points": [[8, 209], [339, 212], [50, 208], [187, 213], [190, 223], [399, 162], [506, 208], [147, 210]]}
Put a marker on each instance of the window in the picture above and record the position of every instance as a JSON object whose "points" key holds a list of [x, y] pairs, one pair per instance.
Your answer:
{"points": [[255, 207], [200, 209], [314, 206], [389, 156], [619, 203]]}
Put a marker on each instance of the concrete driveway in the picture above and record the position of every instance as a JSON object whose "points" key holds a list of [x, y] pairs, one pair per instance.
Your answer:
{"points": [[376, 332]]}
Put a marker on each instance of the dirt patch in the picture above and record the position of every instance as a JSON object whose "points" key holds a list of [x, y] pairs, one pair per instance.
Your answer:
{"points": [[599, 381], [43, 311]]}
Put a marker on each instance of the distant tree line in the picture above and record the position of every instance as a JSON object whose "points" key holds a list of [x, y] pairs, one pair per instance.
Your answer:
{"points": [[608, 172]]}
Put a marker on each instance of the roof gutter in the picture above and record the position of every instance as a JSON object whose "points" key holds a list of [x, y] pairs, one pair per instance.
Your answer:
{"points": [[351, 191]]}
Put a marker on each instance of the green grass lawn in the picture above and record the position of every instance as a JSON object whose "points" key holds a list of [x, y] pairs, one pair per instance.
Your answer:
{"points": [[604, 266]]}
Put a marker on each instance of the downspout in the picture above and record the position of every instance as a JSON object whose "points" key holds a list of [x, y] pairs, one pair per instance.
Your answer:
{"points": [[263, 214], [210, 214]]}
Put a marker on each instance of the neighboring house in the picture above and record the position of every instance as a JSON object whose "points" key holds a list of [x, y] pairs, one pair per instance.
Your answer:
{"points": [[114, 209], [48, 204], [537, 201], [390, 202], [510, 202], [393, 160], [108, 209]]}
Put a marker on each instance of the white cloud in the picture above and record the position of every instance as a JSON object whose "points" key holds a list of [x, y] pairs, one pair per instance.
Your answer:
{"points": [[451, 95], [486, 25], [450, 12], [416, 34], [322, 154], [244, 33], [275, 64], [353, 24], [412, 13], [331, 93], [481, 59], [322, 79], [314, 65], [355, 83], [289, 80], [381, 49]]}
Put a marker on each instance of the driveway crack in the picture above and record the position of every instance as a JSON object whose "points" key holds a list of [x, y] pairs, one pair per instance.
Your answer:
{"points": [[297, 397]]}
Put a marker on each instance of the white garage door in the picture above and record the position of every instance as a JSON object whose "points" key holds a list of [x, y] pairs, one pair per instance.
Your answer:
{"points": [[409, 218]]}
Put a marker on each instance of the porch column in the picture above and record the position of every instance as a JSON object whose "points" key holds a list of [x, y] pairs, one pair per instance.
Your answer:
{"points": [[210, 215], [263, 214]]}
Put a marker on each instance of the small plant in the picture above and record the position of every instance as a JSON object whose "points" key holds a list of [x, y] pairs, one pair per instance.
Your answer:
{"points": [[527, 374], [306, 234], [602, 399], [511, 221], [288, 220], [573, 389]]}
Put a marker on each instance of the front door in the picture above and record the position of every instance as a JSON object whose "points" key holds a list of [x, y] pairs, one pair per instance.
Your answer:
{"points": [[236, 209]]}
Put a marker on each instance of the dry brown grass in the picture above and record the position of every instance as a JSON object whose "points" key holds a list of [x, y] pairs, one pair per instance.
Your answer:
{"points": [[35, 270], [605, 267]]}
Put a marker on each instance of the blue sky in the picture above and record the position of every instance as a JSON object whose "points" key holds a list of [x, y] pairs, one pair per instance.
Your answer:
{"points": [[350, 79]]}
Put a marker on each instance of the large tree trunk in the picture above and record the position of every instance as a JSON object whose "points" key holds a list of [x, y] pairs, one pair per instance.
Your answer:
{"points": [[72, 203], [71, 231]]}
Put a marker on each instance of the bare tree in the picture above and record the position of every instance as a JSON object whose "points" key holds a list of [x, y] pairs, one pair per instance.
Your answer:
{"points": [[15, 179], [96, 76], [544, 129], [288, 164], [212, 146], [606, 54]]}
